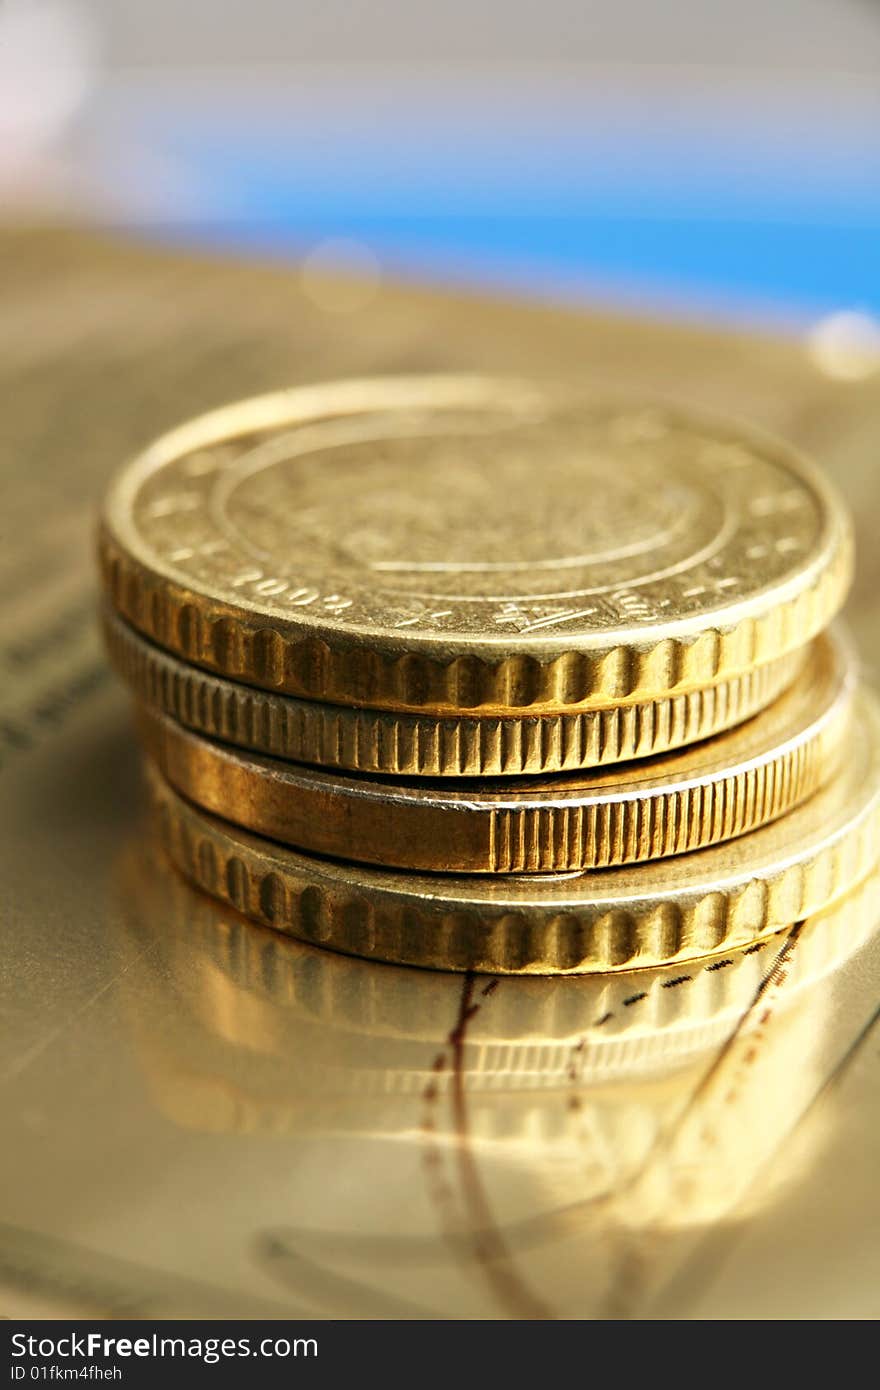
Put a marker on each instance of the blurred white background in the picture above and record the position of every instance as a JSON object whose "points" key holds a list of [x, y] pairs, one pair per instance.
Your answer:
{"points": [[695, 156]]}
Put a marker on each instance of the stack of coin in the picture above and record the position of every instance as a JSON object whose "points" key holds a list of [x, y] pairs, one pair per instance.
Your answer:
{"points": [[488, 675]]}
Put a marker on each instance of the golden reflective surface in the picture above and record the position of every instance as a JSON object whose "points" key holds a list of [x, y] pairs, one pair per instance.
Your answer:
{"points": [[205, 1118]]}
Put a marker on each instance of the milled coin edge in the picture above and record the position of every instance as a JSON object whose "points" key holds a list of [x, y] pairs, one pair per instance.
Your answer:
{"points": [[376, 741], [425, 830], [334, 905], [212, 635]]}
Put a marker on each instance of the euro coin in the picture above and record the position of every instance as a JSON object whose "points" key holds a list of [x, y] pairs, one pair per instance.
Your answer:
{"points": [[365, 740], [265, 992], [710, 793], [442, 545], [650, 914]]}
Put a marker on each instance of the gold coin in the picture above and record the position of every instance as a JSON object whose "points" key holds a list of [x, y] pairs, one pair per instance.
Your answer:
{"points": [[448, 544], [267, 993], [684, 801], [626, 918], [362, 740]]}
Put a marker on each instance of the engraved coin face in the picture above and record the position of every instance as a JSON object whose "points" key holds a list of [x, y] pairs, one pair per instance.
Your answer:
{"points": [[404, 524], [476, 514]]}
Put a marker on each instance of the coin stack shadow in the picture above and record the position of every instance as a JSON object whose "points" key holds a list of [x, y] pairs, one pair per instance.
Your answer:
{"points": [[486, 675]]}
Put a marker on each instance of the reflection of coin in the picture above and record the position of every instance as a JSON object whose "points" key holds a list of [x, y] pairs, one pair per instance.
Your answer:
{"points": [[268, 994], [468, 544], [366, 740], [608, 919], [661, 1105], [685, 801]]}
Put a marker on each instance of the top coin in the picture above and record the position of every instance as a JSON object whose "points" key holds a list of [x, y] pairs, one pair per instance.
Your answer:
{"points": [[450, 543]]}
